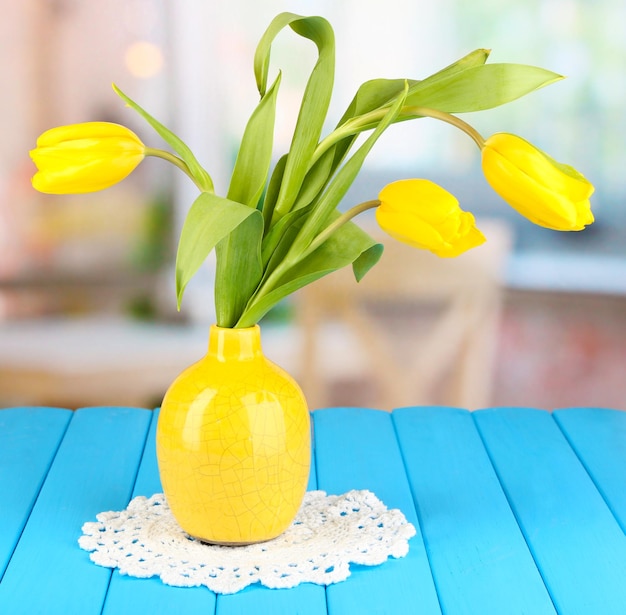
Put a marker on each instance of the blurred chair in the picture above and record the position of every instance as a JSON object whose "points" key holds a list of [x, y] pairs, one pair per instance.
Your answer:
{"points": [[418, 329]]}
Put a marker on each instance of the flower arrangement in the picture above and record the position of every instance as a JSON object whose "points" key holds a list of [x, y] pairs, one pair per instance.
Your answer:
{"points": [[274, 232]]}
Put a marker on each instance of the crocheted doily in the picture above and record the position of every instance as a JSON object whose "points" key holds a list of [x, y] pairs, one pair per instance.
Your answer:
{"points": [[329, 533]]}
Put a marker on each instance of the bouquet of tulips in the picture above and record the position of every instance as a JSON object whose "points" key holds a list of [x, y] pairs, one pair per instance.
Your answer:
{"points": [[278, 227]]}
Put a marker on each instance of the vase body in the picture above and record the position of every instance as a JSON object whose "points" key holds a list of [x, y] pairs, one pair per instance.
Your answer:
{"points": [[234, 443]]}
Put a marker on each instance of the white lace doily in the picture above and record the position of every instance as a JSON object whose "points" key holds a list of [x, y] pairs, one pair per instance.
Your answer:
{"points": [[329, 533]]}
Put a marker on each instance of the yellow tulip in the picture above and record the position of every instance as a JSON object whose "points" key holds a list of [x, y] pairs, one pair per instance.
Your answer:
{"points": [[549, 194], [422, 214], [85, 157]]}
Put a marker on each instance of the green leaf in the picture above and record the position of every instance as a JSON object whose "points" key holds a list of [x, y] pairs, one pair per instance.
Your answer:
{"points": [[202, 178], [264, 47], [239, 269], [315, 100], [349, 245], [475, 58], [210, 219], [378, 93], [272, 190], [340, 184], [315, 180], [372, 95], [289, 224], [479, 87], [366, 260], [255, 152]]}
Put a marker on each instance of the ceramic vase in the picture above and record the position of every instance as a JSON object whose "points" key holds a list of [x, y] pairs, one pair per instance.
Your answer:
{"points": [[234, 443]]}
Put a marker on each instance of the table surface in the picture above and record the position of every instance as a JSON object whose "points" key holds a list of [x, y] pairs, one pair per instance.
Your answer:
{"points": [[516, 510]]}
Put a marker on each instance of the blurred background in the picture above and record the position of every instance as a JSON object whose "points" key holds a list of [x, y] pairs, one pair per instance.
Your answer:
{"points": [[87, 302]]}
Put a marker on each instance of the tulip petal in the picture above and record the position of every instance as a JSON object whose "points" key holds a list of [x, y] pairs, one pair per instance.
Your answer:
{"points": [[439, 202], [532, 161], [409, 228], [532, 199], [422, 214], [471, 239], [548, 193], [92, 130], [83, 158]]}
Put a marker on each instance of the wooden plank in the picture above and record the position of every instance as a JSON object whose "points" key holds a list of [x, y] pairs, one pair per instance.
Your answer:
{"points": [[29, 439], [305, 599], [94, 471], [357, 449], [598, 435], [148, 480], [131, 595], [577, 543], [478, 555]]}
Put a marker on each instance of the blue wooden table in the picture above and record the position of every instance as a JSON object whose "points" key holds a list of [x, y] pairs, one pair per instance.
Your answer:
{"points": [[517, 511]]}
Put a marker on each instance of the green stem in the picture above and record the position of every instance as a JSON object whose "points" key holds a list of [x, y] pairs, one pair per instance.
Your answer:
{"points": [[369, 120], [351, 127], [340, 221], [176, 161], [445, 117]]}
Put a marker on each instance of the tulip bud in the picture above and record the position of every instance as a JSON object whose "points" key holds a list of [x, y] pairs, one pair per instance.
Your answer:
{"points": [[86, 157], [546, 192], [420, 213]]}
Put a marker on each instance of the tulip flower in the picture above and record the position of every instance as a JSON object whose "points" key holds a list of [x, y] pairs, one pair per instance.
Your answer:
{"points": [[86, 157], [549, 194], [422, 214]]}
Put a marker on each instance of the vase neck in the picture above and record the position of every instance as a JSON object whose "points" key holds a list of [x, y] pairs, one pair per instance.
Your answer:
{"points": [[235, 344]]}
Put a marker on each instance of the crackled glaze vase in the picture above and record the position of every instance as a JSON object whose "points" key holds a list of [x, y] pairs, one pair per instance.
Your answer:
{"points": [[234, 443]]}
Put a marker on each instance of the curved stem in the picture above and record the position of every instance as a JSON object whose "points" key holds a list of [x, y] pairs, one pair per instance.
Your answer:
{"points": [[369, 120], [176, 161], [351, 127], [445, 117], [340, 221]]}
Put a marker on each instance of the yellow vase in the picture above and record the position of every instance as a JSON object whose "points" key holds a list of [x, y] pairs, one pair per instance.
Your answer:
{"points": [[234, 443]]}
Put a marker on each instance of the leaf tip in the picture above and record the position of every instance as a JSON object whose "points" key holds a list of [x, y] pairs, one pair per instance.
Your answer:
{"points": [[121, 94], [180, 290]]}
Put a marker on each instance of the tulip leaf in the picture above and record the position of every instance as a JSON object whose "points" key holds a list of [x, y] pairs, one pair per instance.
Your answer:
{"points": [[315, 179], [272, 190], [315, 100], [478, 57], [197, 171], [366, 260], [340, 184], [291, 222], [479, 87], [255, 153], [377, 93], [238, 269], [370, 96], [348, 245], [210, 219]]}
